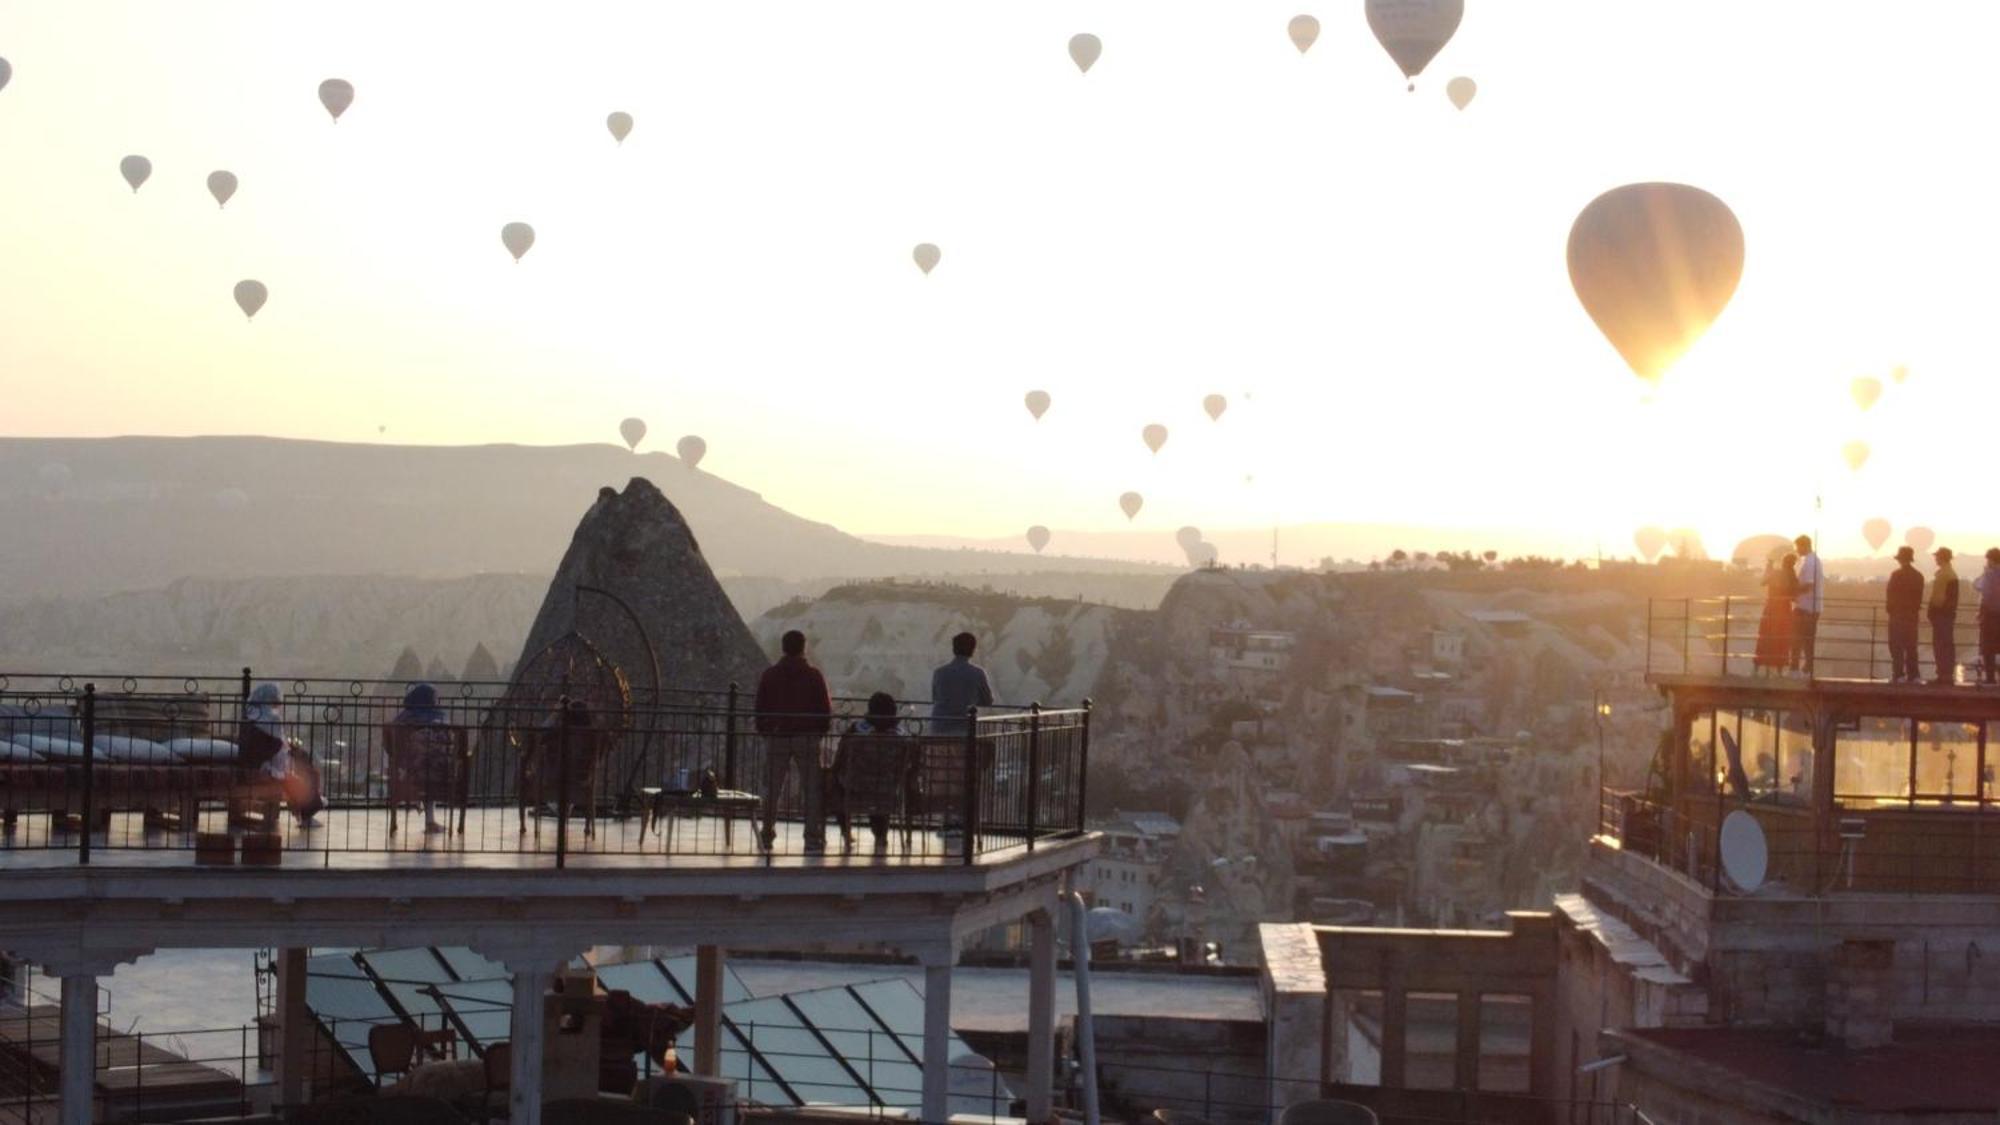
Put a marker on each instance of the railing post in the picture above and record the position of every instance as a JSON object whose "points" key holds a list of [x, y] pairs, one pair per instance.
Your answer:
{"points": [[1725, 633], [1083, 769], [562, 781], [1874, 617], [1034, 770], [969, 805], [729, 741], [89, 774], [246, 681]]}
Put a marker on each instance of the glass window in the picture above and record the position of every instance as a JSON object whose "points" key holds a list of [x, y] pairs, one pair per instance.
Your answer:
{"points": [[1504, 1024], [1702, 772], [1947, 763], [794, 1054], [1872, 764], [347, 1004], [644, 980], [485, 1007], [419, 965], [873, 1053], [681, 970], [469, 965]]}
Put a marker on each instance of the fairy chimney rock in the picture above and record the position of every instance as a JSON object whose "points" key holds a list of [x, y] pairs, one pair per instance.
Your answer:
{"points": [[635, 546]]}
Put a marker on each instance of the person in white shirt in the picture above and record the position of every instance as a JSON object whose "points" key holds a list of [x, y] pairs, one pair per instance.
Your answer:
{"points": [[1807, 605]]}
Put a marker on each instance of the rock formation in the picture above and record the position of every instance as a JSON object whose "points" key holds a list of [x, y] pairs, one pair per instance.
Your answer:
{"points": [[634, 546]]}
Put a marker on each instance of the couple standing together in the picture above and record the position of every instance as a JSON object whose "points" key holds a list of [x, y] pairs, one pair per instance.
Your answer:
{"points": [[1794, 596], [795, 713]]}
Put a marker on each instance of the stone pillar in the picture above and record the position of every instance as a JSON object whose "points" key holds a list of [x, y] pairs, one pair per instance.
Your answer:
{"points": [[708, 1010], [1465, 1061], [1860, 990], [78, 1057], [937, 1038], [526, 1040], [294, 1028], [1041, 1017]]}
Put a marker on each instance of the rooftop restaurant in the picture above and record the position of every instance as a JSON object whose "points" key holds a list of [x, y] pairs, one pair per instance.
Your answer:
{"points": [[535, 819], [1853, 782]]}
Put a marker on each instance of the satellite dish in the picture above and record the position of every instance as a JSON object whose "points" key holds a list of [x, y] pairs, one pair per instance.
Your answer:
{"points": [[1744, 853]]}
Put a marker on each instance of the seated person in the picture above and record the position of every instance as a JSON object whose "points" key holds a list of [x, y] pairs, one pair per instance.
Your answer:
{"points": [[263, 746], [872, 770]]}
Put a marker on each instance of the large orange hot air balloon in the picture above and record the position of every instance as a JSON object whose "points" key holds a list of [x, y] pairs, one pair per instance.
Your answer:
{"points": [[1654, 265], [1876, 532]]}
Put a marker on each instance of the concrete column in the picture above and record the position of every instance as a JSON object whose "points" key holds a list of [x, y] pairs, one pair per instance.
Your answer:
{"points": [[1041, 1017], [708, 1009], [937, 1042], [78, 1051], [294, 1028], [1465, 1064], [531, 984]]}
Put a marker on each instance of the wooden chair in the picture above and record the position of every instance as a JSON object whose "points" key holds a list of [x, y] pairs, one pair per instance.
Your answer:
{"points": [[402, 791]]}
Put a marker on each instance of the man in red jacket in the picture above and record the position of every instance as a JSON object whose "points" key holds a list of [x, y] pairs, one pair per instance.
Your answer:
{"points": [[794, 713]]}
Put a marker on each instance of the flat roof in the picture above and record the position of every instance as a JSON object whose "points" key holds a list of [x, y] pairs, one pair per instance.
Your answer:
{"points": [[1930, 1068]]}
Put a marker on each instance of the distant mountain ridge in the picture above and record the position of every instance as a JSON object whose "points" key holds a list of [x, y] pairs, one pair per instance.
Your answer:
{"points": [[90, 516]]}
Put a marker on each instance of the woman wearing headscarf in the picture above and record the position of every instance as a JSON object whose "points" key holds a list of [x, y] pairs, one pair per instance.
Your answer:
{"points": [[262, 745], [420, 758], [872, 771]]}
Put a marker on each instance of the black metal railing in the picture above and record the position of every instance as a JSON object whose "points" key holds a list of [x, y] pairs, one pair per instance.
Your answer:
{"points": [[1730, 636], [176, 764]]}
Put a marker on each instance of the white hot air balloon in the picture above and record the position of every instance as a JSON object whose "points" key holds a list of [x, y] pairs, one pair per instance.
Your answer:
{"points": [[633, 430], [1038, 403], [135, 169], [1876, 532], [1855, 453], [1130, 503], [336, 94], [1461, 90], [1654, 265], [927, 256], [1414, 31], [692, 449], [1154, 436], [250, 296], [221, 185], [518, 238], [620, 125], [1083, 51], [1303, 30], [1215, 405], [1038, 537], [1864, 390], [1920, 539]]}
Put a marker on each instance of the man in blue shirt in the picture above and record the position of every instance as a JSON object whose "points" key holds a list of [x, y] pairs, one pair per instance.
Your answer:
{"points": [[955, 687]]}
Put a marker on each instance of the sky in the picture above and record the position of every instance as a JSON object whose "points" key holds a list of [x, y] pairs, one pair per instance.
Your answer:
{"points": [[1374, 279]]}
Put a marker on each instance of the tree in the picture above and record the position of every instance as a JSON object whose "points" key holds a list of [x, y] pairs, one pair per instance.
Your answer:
{"points": [[1490, 556], [1398, 557]]}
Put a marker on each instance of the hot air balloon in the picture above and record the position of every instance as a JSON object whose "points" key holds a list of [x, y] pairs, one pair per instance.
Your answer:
{"points": [[927, 257], [1083, 50], [336, 94], [517, 238], [633, 430], [1038, 537], [1876, 532], [1460, 90], [250, 296], [692, 449], [135, 169], [1187, 537], [1414, 31], [1202, 554], [221, 185], [1215, 405], [1038, 403], [1654, 265], [1303, 30], [1686, 543], [1130, 503], [1865, 390], [1154, 436], [1760, 549], [1650, 541], [1920, 538], [1855, 453], [1900, 372], [6, 72], [620, 125]]}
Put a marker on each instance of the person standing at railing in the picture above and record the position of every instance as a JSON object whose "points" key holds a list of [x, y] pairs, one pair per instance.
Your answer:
{"points": [[1906, 604], [1988, 585], [1944, 617], [794, 712], [1806, 605], [1774, 628], [956, 687]]}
